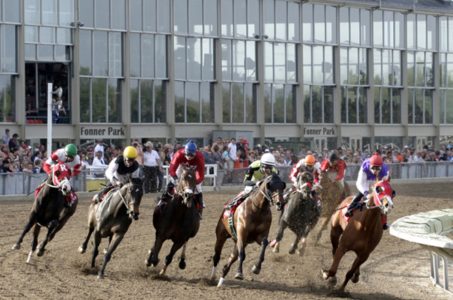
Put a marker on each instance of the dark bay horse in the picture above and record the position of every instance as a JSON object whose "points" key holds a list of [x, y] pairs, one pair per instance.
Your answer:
{"points": [[301, 213], [178, 220], [331, 194], [250, 223], [361, 234], [49, 210], [111, 218]]}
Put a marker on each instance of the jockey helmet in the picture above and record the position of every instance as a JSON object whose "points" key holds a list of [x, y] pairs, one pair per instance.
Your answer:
{"points": [[268, 159], [333, 157], [190, 149], [376, 160], [130, 152], [70, 150], [310, 160]]}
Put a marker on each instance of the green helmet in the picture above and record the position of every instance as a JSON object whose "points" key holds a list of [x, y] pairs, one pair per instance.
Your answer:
{"points": [[71, 150]]}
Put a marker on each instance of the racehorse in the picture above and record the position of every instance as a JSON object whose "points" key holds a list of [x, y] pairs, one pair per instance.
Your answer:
{"points": [[49, 209], [331, 194], [250, 223], [111, 218], [178, 220], [301, 213], [361, 233]]}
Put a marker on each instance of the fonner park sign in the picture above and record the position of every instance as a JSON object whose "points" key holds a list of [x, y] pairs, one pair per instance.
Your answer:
{"points": [[95, 132], [311, 131]]}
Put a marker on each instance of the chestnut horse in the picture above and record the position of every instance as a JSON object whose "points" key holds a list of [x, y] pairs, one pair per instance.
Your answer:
{"points": [[178, 220], [301, 213], [49, 210], [361, 234], [250, 223], [111, 218]]}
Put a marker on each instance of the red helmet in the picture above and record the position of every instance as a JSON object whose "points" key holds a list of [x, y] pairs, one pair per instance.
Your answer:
{"points": [[376, 160]]}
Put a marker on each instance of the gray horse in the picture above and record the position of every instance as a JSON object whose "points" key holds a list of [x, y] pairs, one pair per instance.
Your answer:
{"points": [[112, 218], [301, 213]]}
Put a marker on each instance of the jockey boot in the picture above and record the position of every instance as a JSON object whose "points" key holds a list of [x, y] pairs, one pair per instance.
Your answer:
{"points": [[200, 205], [385, 226], [353, 204]]}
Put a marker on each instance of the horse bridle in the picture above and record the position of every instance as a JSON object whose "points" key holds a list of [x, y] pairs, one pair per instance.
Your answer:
{"points": [[131, 202], [381, 206]]}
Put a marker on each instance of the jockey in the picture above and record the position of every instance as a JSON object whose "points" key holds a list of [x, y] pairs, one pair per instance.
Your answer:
{"points": [[120, 170], [336, 165], [189, 155], [373, 169], [257, 171], [68, 156], [307, 164]]}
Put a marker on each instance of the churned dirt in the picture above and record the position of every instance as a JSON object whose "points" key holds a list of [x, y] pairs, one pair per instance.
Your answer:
{"points": [[395, 270]]}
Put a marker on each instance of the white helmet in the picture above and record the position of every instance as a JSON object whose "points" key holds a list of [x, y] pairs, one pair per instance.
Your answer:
{"points": [[268, 159]]}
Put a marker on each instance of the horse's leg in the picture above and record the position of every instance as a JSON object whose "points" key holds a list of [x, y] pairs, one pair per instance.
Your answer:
{"points": [[28, 226], [276, 243], [226, 268], [97, 241], [52, 227], [84, 245], [221, 237], [61, 223], [293, 248], [34, 242], [339, 253], [170, 255], [256, 269], [115, 241], [153, 258], [323, 227], [335, 234], [241, 251], [182, 259], [355, 270]]}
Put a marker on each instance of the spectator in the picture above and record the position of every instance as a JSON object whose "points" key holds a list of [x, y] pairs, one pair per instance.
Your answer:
{"points": [[37, 166], [98, 164], [14, 143], [232, 153], [6, 137], [151, 164], [99, 147]]}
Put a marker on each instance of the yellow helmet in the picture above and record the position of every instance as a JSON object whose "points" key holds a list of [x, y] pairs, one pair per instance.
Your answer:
{"points": [[130, 152], [310, 160]]}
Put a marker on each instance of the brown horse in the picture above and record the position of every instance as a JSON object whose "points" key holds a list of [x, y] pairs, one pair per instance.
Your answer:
{"points": [[301, 213], [361, 234], [250, 223], [178, 220], [111, 218], [49, 210], [331, 194]]}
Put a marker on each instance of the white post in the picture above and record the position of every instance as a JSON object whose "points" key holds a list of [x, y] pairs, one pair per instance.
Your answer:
{"points": [[49, 119]]}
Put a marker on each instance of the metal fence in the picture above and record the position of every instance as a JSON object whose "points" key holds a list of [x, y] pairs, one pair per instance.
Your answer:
{"points": [[25, 183]]}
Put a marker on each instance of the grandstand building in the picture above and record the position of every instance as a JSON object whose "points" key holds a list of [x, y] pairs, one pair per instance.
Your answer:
{"points": [[323, 73]]}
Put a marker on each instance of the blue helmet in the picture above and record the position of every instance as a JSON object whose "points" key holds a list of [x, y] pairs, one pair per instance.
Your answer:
{"points": [[190, 148]]}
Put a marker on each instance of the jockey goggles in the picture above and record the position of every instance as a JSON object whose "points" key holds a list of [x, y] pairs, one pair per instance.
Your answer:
{"points": [[376, 168]]}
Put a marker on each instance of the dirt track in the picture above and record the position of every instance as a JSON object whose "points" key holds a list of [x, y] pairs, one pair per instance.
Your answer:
{"points": [[395, 270]]}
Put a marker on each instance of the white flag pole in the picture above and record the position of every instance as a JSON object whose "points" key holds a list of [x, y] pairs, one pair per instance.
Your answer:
{"points": [[49, 119]]}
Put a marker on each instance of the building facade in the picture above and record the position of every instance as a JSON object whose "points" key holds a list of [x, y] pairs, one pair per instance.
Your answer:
{"points": [[322, 73]]}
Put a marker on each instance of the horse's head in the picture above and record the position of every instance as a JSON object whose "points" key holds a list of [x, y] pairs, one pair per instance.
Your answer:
{"points": [[132, 193], [273, 187], [382, 197], [59, 178], [187, 184], [305, 183]]}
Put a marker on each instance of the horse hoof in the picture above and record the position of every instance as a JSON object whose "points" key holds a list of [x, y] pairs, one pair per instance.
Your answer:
{"points": [[292, 251], [40, 252], [239, 276], [82, 250], [324, 274], [105, 251], [355, 278], [182, 264], [100, 276], [221, 280], [273, 243], [276, 249], [256, 270], [16, 247]]}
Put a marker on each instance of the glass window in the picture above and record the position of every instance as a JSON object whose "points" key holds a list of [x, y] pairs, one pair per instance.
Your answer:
{"points": [[115, 54], [443, 33], [307, 22], [85, 94], [8, 48], [193, 58], [410, 31], [431, 33], [237, 102], [134, 96], [134, 58], [135, 14], [100, 51], [331, 24], [192, 102], [64, 36], [119, 16], [195, 17], [378, 34], [207, 59], [399, 30], [11, 11], [226, 60], [114, 101], [388, 29], [240, 22], [49, 12], [250, 61], [319, 23], [421, 31], [344, 25], [86, 12], [280, 20], [250, 103], [85, 52], [161, 56], [318, 58], [207, 103], [239, 60], [102, 13], [268, 62], [279, 62], [146, 101], [365, 27], [147, 55], [47, 35], [7, 101], [163, 15], [328, 65], [307, 60], [210, 17], [268, 19], [227, 17], [446, 108], [160, 109], [450, 34], [149, 11], [99, 100], [293, 22], [226, 102], [354, 17], [291, 66], [45, 53], [180, 57]]}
